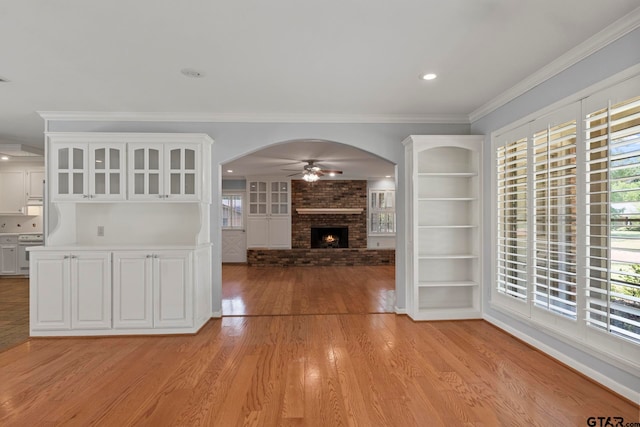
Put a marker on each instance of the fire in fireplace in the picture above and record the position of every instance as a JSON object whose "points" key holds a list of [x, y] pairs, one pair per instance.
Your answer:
{"points": [[329, 237]]}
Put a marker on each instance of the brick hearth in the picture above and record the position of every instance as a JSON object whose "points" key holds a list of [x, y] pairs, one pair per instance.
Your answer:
{"points": [[319, 257]]}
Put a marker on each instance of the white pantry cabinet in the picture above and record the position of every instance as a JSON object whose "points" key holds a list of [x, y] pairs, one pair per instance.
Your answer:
{"points": [[152, 289], [70, 290], [443, 263], [87, 171], [269, 216]]}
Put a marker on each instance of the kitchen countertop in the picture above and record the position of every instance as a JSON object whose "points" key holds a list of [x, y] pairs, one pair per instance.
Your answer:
{"points": [[17, 233], [118, 247]]}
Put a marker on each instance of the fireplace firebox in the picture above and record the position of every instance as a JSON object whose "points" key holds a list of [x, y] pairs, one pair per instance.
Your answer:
{"points": [[329, 237]]}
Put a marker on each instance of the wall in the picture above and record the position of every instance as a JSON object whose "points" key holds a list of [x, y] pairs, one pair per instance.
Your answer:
{"points": [[234, 140], [604, 63], [328, 194]]}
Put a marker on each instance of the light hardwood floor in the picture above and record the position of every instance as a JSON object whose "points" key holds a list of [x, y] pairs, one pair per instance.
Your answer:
{"points": [[14, 311], [295, 370]]}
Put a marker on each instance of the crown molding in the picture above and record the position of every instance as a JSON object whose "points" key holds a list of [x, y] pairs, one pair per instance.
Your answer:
{"points": [[100, 116], [613, 32]]}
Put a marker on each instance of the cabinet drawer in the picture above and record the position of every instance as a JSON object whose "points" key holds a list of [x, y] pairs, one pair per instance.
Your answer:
{"points": [[8, 240]]}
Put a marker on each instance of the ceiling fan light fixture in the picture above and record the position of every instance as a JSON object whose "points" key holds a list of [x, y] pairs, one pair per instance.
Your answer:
{"points": [[310, 177]]}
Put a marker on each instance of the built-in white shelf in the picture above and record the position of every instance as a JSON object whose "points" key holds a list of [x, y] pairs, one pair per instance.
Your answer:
{"points": [[447, 226], [445, 174], [445, 256], [445, 202]]}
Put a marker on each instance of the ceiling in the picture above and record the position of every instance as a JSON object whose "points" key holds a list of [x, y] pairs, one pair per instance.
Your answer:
{"points": [[280, 60], [290, 158]]}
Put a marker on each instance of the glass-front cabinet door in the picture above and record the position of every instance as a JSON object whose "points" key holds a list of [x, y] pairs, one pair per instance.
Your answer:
{"points": [[145, 171], [70, 180], [107, 175], [257, 197], [279, 198], [182, 171]]}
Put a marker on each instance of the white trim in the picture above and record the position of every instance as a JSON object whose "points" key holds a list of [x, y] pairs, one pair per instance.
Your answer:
{"points": [[204, 117], [613, 32], [216, 314], [623, 390], [399, 310], [584, 93]]}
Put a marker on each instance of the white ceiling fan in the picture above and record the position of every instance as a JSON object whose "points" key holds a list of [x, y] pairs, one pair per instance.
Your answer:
{"points": [[311, 172]]}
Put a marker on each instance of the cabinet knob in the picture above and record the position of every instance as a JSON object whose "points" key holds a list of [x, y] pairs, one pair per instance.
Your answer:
{"points": [[85, 196], [149, 256]]}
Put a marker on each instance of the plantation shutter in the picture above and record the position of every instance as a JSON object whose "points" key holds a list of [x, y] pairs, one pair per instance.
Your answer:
{"points": [[555, 216], [511, 186], [613, 218]]}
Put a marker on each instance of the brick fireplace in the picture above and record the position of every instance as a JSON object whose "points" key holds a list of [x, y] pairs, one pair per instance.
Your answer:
{"points": [[350, 196]]}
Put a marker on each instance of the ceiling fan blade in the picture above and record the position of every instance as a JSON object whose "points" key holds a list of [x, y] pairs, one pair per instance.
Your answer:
{"points": [[329, 171], [294, 174]]}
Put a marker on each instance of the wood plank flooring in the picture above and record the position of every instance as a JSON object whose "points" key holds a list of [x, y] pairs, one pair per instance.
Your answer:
{"points": [[330, 365], [312, 370], [251, 291], [14, 311]]}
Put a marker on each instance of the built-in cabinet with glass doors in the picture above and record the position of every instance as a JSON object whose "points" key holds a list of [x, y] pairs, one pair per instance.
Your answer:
{"points": [[268, 217]]}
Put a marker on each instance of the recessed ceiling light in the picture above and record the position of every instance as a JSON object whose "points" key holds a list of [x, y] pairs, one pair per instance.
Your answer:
{"points": [[429, 76], [387, 176], [190, 72], [230, 170], [4, 157]]}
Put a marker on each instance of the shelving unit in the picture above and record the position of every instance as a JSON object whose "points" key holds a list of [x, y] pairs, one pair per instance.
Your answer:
{"points": [[444, 262]]}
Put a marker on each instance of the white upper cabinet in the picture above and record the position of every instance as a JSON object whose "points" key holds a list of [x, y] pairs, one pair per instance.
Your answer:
{"points": [[169, 171], [12, 193], [116, 167], [88, 171]]}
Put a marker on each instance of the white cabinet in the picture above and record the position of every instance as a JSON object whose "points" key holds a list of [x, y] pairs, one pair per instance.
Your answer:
{"points": [[268, 217], [70, 290], [12, 192], [132, 290], [172, 290], [35, 185], [167, 171], [152, 290], [8, 254], [88, 171], [444, 218]]}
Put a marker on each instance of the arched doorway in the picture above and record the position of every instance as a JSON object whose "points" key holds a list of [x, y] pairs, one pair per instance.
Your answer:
{"points": [[271, 213]]}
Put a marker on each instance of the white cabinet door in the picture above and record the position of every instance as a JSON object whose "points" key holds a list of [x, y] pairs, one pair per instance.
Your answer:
{"points": [[107, 171], [9, 259], [173, 293], [279, 232], [182, 171], [145, 171], [49, 291], [90, 290], [132, 290], [257, 232], [12, 192], [70, 178], [35, 184]]}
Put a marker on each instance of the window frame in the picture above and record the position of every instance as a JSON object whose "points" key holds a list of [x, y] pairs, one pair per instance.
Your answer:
{"points": [[613, 349], [243, 217], [371, 211]]}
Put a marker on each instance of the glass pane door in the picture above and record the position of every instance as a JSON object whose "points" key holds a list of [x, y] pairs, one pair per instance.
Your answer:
{"points": [[71, 171], [145, 178], [182, 170]]}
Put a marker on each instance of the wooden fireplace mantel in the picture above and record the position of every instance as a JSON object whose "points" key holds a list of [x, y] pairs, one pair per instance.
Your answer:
{"points": [[329, 211]]}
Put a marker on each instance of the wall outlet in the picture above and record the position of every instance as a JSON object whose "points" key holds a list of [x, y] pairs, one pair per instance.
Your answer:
{"points": [[100, 230]]}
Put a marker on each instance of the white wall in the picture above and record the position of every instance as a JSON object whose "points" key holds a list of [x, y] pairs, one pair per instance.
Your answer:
{"points": [[604, 63]]}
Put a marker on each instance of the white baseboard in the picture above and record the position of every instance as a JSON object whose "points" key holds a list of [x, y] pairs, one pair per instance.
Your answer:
{"points": [[399, 310], [216, 314], [622, 390]]}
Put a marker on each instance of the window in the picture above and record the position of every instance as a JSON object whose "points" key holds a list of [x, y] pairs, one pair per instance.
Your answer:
{"points": [[382, 214], [567, 221], [511, 166], [232, 216], [613, 219]]}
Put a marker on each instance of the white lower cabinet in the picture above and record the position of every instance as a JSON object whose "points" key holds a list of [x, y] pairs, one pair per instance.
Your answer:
{"points": [[70, 290], [152, 290], [115, 292]]}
